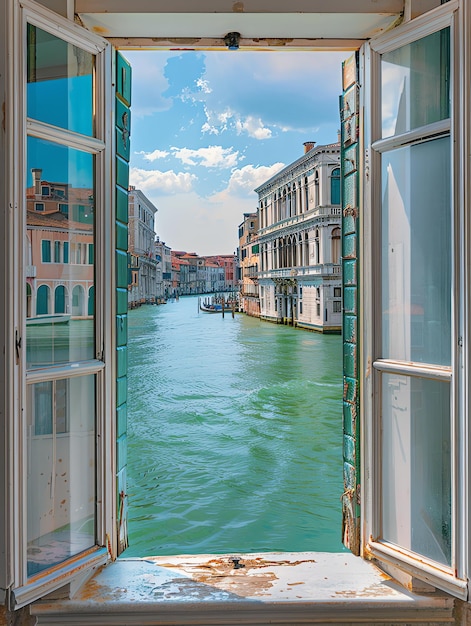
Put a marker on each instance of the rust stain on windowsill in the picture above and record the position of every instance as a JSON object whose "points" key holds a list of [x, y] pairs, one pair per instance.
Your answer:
{"points": [[243, 577]]}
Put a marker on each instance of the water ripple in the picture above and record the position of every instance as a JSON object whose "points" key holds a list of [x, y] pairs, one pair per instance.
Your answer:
{"points": [[234, 434]]}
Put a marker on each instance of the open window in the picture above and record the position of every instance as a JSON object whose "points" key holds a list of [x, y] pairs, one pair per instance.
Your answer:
{"points": [[61, 496], [412, 327], [414, 469]]}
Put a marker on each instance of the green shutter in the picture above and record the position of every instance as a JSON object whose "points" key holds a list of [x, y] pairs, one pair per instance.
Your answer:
{"points": [[91, 253], [46, 250], [349, 200], [122, 132]]}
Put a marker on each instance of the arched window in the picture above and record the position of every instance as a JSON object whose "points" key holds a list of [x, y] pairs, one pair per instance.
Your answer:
{"points": [[335, 186], [91, 301], [294, 207], [28, 300], [59, 299], [43, 300], [335, 245], [290, 260], [78, 296], [317, 259]]}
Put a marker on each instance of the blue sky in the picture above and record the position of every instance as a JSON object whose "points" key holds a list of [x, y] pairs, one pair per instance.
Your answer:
{"points": [[209, 127]]}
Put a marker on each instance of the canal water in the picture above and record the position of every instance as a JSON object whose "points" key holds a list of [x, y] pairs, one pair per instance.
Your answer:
{"points": [[234, 434]]}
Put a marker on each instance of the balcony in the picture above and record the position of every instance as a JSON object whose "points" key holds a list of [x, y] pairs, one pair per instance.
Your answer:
{"points": [[321, 211], [324, 269]]}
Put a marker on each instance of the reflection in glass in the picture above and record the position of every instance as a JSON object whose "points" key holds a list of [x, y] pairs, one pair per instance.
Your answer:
{"points": [[416, 465], [60, 83], [416, 253], [60, 248], [61, 470], [415, 84]]}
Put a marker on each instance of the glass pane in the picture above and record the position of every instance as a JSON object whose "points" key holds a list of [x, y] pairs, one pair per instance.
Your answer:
{"points": [[61, 470], [415, 84], [60, 270], [416, 253], [60, 88], [416, 465]]}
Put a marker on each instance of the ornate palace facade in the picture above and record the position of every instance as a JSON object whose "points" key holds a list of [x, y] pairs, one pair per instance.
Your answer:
{"points": [[299, 238]]}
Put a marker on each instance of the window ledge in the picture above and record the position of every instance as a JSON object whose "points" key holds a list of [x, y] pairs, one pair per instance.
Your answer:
{"points": [[279, 588]]}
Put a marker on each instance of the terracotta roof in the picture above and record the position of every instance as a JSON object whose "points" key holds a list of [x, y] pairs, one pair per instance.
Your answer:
{"points": [[55, 220]]}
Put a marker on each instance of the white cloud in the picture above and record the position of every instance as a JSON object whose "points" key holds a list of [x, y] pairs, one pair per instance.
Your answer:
{"points": [[244, 180], [216, 121], [203, 85], [153, 156], [189, 222], [250, 177], [148, 79], [212, 156], [219, 121], [168, 182], [279, 91], [254, 127], [207, 128]]}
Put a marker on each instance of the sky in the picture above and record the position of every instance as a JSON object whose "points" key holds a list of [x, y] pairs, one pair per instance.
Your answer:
{"points": [[207, 128]]}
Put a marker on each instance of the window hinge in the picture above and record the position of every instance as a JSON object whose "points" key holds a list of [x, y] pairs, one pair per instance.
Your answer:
{"points": [[17, 345]]}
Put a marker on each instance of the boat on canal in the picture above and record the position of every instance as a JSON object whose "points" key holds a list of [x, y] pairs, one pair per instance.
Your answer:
{"points": [[51, 318], [218, 305]]}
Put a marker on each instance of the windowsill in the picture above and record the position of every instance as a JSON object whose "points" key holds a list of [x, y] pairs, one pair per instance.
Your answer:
{"points": [[286, 588]]}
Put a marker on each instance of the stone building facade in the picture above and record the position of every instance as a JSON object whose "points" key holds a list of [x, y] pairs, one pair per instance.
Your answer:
{"points": [[141, 236], [249, 265], [300, 242]]}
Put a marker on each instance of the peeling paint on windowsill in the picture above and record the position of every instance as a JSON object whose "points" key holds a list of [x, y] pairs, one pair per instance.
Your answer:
{"points": [[274, 584]]}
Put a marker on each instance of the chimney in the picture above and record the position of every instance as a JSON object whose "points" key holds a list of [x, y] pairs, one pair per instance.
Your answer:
{"points": [[36, 173], [308, 145]]}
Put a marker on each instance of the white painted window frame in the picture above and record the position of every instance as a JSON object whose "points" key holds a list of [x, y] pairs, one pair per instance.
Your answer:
{"points": [[14, 316], [22, 590], [401, 562]]}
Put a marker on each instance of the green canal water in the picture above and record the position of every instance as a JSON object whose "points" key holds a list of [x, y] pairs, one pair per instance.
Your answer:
{"points": [[234, 434]]}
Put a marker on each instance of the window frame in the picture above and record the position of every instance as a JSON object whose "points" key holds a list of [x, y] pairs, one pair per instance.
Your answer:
{"points": [[24, 589], [16, 256], [399, 561]]}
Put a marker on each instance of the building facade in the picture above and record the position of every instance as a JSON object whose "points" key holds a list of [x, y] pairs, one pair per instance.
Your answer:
{"points": [[299, 242], [249, 260], [229, 263], [60, 253], [163, 256], [145, 285]]}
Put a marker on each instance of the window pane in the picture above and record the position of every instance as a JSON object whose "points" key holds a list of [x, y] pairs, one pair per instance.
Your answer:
{"points": [[61, 470], [46, 250], [335, 186], [65, 329], [60, 83], [415, 84], [416, 465], [416, 253]]}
